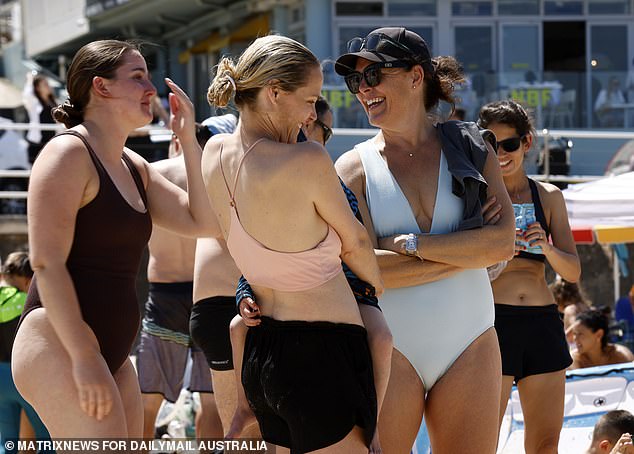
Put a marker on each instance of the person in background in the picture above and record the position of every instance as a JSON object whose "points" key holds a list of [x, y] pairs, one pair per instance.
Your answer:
{"points": [[320, 129], [530, 332], [629, 83], [215, 279], [590, 335], [17, 275], [612, 433], [165, 344], [608, 116], [39, 101], [571, 301]]}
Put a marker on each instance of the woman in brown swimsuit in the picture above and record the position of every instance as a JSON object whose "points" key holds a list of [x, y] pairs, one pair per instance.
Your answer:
{"points": [[90, 211]]}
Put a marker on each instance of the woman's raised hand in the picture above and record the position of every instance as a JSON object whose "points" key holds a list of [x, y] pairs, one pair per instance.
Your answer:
{"points": [[182, 114]]}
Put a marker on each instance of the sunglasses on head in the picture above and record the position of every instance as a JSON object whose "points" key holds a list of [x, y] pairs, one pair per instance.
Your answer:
{"points": [[326, 129], [371, 74], [380, 43], [511, 144]]}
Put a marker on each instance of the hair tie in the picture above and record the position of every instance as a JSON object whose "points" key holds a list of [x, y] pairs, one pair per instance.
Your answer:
{"points": [[233, 82]]}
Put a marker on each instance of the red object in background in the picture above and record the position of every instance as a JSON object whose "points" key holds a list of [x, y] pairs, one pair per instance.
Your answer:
{"points": [[583, 235]]}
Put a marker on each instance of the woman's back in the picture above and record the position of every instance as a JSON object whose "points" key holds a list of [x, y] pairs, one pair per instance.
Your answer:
{"points": [[276, 188]]}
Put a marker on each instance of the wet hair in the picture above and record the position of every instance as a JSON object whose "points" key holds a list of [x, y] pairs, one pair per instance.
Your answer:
{"points": [[595, 320], [270, 59], [321, 107], [98, 58], [566, 293], [612, 425], [46, 102], [441, 82], [508, 113], [18, 264]]}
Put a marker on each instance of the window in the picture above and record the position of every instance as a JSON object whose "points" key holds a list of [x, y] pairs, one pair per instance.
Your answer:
{"points": [[609, 47], [472, 8], [609, 7], [518, 7], [473, 48], [563, 7], [359, 8], [411, 8]]}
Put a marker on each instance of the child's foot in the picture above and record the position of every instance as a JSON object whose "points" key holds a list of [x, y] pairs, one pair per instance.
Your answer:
{"points": [[242, 418], [375, 445]]}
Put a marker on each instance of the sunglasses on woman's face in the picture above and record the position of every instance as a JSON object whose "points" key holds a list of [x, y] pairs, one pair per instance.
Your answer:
{"points": [[512, 144], [371, 74], [327, 130]]}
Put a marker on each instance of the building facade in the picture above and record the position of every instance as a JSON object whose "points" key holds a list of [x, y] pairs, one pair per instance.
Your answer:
{"points": [[560, 58]]}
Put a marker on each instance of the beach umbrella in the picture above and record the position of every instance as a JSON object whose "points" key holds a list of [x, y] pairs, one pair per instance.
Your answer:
{"points": [[603, 211]]}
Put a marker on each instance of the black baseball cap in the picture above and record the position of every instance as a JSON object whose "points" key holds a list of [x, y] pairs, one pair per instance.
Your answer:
{"points": [[387, 44]]}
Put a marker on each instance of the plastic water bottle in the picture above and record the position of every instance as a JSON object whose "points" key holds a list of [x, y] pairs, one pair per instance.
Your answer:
{"points": [[525, 216]]}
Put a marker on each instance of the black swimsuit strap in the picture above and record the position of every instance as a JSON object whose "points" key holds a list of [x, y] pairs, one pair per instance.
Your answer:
{"points": [[539, 209], [91, 152], [101, 169], [138, 181]]}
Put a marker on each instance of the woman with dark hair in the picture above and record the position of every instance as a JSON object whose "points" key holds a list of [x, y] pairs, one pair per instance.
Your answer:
{"points": [[307, 367], [91, 206], [530, 332], [590, 334], [39, 101], [422, 190], [571, 301]]}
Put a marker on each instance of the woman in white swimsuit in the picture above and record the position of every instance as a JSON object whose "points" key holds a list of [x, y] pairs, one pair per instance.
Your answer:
{"points": [[421, 189]]}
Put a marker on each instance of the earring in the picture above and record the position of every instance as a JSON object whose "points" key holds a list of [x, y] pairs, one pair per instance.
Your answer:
{"points": [[413, 86]]}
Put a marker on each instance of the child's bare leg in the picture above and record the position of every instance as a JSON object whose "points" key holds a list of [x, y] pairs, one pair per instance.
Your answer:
{"points": [[381, 345], [243, 416]]}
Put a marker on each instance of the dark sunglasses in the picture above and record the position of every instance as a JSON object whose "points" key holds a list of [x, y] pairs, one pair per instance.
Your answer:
{"points": [[371, 74], [327, 130], [380, 43], [512, 144]]}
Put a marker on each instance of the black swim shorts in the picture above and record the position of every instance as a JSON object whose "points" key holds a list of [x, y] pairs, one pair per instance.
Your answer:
{"points": [[532, 340], [209, 329], [309, 383]]}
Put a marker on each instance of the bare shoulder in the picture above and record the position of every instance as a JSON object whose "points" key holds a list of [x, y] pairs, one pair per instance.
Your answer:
{"points": [[622, 353], [173, 169], [550, 194], [548, 189], [64, 155], [350, 168], [212, 148]]}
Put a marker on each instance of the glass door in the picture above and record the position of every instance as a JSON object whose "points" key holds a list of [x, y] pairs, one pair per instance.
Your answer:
{"points": [[608, 56], [474, 50]]}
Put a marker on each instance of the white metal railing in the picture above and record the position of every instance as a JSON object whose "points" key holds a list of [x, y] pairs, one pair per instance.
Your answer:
{"points": [[546, 134], [150, 129]]}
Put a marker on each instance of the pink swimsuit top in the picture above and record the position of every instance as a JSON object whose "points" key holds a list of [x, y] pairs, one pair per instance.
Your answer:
{"points": [[283, 271]]}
